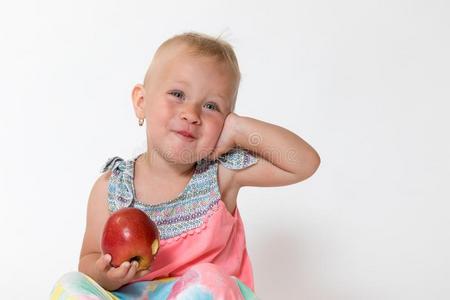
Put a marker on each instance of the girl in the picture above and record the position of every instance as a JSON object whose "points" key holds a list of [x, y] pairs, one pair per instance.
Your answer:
{"points": [[199, 154]]}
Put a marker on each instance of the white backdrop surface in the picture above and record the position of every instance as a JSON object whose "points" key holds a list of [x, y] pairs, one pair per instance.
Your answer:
{"points": [[366, 83]]}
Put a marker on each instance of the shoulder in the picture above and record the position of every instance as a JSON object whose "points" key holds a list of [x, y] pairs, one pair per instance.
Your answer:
{"points": [[98, 197], [229, 164], [101, 183], [237, 158], [99, 191], [113, 163]]}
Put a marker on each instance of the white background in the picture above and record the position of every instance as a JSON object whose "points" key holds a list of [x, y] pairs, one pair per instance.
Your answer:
{"points": [[366, 83]]}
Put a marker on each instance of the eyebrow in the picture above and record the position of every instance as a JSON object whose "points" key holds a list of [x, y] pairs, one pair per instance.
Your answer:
{"points": [[182, 82]]}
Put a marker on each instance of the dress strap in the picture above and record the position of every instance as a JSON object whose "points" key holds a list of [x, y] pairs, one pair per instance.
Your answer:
{"points": [[237, 158], [120, 190], [111, 164]]}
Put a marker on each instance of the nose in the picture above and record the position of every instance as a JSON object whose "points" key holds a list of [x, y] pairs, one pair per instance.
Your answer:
{"points": [[189, 113]]}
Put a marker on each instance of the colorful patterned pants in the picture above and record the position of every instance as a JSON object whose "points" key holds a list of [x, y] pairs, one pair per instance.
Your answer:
{"points": [[203, 281]]}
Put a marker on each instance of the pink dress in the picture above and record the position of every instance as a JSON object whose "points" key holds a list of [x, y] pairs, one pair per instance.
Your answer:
{"points": [[195, 227]]}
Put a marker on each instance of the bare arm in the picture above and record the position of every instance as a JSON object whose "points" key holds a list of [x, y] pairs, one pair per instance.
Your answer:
{"points": [[285, 158], [92, 262]]}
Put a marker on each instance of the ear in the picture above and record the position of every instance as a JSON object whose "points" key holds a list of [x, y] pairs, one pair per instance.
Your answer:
{"points": [[137, 96]]}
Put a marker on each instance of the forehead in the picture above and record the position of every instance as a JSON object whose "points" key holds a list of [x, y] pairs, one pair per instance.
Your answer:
{"points": [[179, 63]]}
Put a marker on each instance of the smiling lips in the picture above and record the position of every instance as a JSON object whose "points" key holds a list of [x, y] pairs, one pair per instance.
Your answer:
{"points": [[185, 134]]}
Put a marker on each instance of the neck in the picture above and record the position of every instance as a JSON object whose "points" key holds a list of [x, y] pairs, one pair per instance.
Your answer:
{"points": [[157, 164]]}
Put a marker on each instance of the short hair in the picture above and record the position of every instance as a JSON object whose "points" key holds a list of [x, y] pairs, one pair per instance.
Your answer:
{"points": [[205, 45]]}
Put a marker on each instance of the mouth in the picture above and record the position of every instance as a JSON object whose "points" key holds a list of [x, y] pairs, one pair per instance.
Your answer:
{"points": [[186, 135]]}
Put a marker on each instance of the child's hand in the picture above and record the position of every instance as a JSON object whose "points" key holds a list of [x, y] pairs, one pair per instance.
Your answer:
{"points": [[226, 140], [114, 278]]}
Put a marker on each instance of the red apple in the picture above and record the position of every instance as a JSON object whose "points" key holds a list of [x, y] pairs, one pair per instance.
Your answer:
{"points": [[129, 234]]}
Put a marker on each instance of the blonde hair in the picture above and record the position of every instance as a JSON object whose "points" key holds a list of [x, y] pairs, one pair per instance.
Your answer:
{"points": [[205, 45]]}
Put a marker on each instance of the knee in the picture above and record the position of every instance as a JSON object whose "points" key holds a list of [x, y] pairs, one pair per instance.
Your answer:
{"points": [[208, 281], [69, 284]]}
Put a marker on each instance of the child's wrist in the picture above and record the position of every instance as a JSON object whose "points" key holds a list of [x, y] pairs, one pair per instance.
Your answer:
{"points": [[234, 120], [237, 128]]}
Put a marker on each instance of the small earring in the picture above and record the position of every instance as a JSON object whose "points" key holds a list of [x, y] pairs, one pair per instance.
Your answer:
{"points": [[141, 122]]}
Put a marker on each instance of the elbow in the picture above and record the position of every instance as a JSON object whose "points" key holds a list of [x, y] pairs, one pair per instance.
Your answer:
{"points": [[316, 165], [309, 167], [316, 162]]}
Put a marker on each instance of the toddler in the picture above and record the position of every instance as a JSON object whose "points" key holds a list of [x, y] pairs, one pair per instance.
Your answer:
{"points": [[199, 154]]}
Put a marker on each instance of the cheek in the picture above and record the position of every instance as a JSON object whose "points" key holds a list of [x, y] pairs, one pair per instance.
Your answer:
{"points": [[214, 129], [159, 112]]}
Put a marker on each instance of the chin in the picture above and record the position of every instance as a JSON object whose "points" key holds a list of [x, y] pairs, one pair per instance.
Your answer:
{"points": [[189, 156], [180, 153]]}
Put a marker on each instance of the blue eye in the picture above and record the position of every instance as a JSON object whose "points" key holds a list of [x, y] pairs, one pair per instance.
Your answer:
{"points": [[177, 94], [212, 106]]}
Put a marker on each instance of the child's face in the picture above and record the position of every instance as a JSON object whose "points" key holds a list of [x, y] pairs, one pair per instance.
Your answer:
{"points": [[186, 93]]}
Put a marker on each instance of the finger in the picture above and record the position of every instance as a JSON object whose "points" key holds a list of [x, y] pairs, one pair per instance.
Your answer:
{"points": [[121, 271], [131, 271], [103, 263], [141, 273]]}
